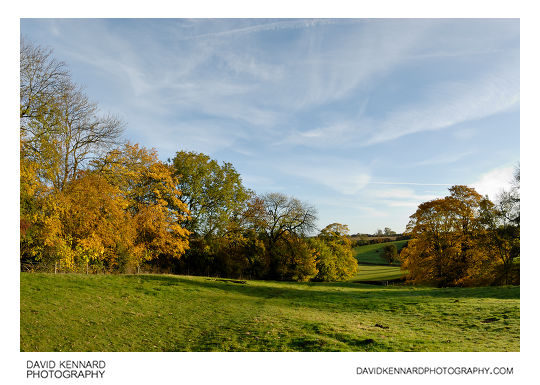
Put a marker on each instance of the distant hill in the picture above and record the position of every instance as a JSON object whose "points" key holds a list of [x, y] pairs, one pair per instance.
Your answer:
{"points": [[371, 254]]}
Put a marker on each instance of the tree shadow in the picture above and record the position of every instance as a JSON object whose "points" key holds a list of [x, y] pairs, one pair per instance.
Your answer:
{"points": [[325, 292]]}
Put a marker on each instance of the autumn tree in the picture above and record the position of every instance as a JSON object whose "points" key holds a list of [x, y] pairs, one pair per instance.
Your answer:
{"points": [[32, 193], [444, 248], [41, 76], [333, 254], [152, 199], [80, 227], [61, 129], [96, 230]]}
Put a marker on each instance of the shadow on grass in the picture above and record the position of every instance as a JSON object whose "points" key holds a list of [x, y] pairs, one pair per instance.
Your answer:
{"points": [[327, 291]]}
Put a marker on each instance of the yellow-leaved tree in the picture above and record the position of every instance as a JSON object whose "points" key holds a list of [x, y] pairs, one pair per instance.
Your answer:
{"points": [[334, 258], [152, 197], [94, 224]]}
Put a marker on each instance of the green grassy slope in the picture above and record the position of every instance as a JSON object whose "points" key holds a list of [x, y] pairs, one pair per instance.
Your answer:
{"points": [[372, 253], [378, 273], [179, 313]]}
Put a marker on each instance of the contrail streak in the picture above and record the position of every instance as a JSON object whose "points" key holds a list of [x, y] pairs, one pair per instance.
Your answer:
{"points": [[415, 184]]}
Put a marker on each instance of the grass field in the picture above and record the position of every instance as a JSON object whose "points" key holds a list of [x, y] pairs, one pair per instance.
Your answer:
{"points": [[374, 268], [378, 273], [180, 313], [372, 253]]}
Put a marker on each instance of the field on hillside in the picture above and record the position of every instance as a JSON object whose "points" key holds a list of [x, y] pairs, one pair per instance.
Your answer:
{"points": [[181, 313], [372, 253], [378, 273], [372, 267]]}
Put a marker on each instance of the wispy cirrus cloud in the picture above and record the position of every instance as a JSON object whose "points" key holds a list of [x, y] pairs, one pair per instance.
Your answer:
{"points": [[401, 193], [342, 176], [399, 197], [448, 104], [412, 183], [214, 75], [346, 183], [443, 105], [224, 29], [357, 116], [442, 159]]}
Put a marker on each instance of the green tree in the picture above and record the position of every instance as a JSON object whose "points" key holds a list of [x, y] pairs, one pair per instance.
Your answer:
{"points": [[389, 253], [292, 259], [388, 231], [333, 254], [213, 193], [277, 214], [215, 198], [283, 223]]}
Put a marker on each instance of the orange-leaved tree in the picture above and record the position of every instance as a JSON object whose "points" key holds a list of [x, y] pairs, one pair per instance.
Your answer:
{"points": [[446, 248], [96, 230], [153, 200]]}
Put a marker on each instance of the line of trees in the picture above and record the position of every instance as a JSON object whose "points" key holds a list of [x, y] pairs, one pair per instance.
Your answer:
{"points": [[90, 202], [465, 239]]}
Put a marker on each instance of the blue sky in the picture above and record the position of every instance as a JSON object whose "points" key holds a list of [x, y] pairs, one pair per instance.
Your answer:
{"points": [[362, 118]]}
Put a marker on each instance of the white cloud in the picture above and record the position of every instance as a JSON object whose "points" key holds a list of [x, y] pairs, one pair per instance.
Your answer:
{"points": [[492, 182], [443, 105]]}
